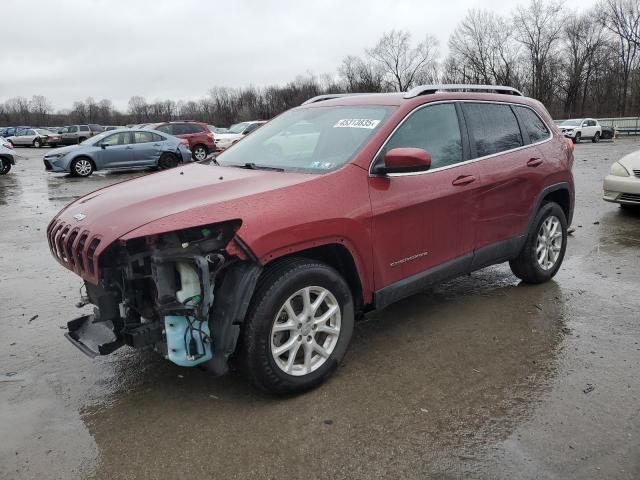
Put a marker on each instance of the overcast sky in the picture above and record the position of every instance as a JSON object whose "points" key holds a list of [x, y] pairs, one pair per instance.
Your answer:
{"points": [[69, 50]]}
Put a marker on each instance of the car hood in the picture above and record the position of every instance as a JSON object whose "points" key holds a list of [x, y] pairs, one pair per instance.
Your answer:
{"points": [[62, 150], [179, 198], [631, 161]]}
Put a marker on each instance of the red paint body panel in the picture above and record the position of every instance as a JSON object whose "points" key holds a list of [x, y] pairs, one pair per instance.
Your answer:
{"points": [[380, 220]]}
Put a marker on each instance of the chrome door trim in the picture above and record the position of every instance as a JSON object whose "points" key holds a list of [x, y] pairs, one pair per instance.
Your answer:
{"points": [[473, 160]]}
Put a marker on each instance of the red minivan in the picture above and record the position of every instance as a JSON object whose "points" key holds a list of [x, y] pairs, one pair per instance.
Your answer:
{"points": [[200, 138], [266, 256]]}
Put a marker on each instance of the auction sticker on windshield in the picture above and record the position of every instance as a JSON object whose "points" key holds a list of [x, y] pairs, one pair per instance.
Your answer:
{"points": [[357, 123]]}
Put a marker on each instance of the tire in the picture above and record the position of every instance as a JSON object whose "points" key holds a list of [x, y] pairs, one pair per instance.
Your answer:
{"points": [[283, 283], [53, 145], [527, 266], [81, 139], [596, 138], [576, 139], [200, 152], [5, 166], [81, 167], [37, 143], [168, 160]]}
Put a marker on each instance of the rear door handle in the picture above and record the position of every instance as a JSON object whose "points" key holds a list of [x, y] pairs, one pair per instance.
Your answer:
{"points": [[534, 162], [463, 180], [129, 147]]}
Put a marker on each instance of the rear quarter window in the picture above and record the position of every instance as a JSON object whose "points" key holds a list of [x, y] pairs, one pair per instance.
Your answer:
{"points": [[492, 128], [532, 124]]}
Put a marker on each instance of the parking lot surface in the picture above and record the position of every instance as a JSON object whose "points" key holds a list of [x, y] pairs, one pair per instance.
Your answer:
{"points": [[480, 377]]}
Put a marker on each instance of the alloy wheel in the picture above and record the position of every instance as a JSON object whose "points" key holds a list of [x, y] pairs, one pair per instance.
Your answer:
{"points": [[200, 153], [549, 242], [305, 331], [83, 167]]}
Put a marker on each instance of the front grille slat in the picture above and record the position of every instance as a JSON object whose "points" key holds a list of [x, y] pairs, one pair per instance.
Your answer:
{"points": [[630, 197], [75, 248], [90, 251], [637, 173]]}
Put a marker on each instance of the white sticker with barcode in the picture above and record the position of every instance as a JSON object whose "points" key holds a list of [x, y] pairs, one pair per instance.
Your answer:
{"points": [[357, 123]]}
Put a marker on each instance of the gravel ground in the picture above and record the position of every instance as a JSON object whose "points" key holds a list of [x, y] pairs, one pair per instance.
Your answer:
{"points": [[480, 377]]}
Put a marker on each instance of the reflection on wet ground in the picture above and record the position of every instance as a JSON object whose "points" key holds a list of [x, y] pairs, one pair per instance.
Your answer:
{"points": [[479, 378]]}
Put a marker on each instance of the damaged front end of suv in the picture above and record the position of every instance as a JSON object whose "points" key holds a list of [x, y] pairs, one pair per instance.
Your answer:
{"points": [[182, 294]]}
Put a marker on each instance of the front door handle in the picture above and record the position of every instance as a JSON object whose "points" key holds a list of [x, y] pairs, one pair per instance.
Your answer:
{"points": [[463, 180], [129, 147], [534, 162]]}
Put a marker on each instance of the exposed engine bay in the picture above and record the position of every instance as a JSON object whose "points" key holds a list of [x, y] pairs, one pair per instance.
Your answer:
{"points": [[182, 294]]}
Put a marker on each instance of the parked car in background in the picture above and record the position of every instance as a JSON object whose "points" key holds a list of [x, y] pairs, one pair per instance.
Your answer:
{"points": [[34, 137], [53, 129], [217, 130], [236, 133], [74, 134], [622, 185], [581, 128], [7, 156], [119, 149], [607, 132], [267, 259], [113, 127], [200, 138]]}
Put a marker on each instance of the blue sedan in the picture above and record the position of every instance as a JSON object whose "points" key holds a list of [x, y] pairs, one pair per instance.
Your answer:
{"points": [[119, 149]]}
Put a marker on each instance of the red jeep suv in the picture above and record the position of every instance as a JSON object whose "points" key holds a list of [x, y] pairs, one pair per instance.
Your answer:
{"points": [[267, 255], [198, 135]]}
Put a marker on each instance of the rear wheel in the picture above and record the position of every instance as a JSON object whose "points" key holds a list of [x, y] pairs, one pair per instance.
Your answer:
{"points": [[37, 143], [5, 166], [168, 160], [298, 326], [81, 167], [200, 152], [544, 247], [596, 138]]}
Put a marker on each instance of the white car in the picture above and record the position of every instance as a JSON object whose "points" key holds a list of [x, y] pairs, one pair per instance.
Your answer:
{"points": [[581, 128], [34, 137], [7, 156], [622, 185], [236, 133]]}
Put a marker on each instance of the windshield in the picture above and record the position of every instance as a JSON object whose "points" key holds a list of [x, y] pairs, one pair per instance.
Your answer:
{"points": [[571, 123], [317, 139], [96, 138], [238, 127]]}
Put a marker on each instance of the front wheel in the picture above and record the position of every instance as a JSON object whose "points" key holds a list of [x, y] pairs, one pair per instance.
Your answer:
{"points": [[596, 138], [37, 143], [81, 167], [298, 326], [544, 247], [576, 139], [5, 166]]}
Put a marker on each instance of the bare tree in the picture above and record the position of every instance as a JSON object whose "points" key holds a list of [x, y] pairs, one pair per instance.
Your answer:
{"points": [[402, 64], [138, 109], [622, 18], [361, 76], [40, 107], [539, 28], [484, 49]]}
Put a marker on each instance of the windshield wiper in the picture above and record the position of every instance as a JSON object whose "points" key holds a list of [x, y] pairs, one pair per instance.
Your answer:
{"points": [[254, 166]]}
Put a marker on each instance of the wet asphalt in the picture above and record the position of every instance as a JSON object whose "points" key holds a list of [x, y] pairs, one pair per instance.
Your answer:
{"points": [[481, 377]]}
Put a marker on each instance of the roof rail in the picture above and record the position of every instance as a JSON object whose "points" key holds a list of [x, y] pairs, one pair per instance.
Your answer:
{"points": [[430, 89], [329, 96]]}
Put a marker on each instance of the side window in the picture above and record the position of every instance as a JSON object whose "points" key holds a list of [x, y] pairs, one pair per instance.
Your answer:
{"points": [[157, 138], [179, 129], [84, 128], [142, 137], [532, 124], [434, 129], [592, 123], [116, 139], [251, 128], [492, 127], [73, 129], [31, 132], [165, 129], [193, 128]]}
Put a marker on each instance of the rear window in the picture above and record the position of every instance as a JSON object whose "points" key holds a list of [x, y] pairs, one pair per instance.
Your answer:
{"points": [[84, 128], [532, 124], [492, 128]]}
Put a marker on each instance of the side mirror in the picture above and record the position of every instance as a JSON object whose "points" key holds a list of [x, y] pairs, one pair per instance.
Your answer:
{"points": [[405, 160], [103, 146]]}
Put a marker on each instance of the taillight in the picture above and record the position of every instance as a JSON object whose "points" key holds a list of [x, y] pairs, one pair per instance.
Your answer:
{"points": [[570, 144], [184, 142], [210, 136]]}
